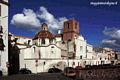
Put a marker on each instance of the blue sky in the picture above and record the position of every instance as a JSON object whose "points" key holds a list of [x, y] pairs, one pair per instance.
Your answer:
{"points": [[92, 19]]}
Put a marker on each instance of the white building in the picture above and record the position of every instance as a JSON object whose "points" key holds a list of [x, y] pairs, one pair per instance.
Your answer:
{"points": [[4, 36], [106, 55], [45, 51]]}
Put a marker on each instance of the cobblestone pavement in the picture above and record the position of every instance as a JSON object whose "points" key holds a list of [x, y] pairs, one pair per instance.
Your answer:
{"points": [[41, 76]]}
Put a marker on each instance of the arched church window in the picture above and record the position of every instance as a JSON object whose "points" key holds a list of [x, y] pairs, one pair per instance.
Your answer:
{"points": [[43, 41], [68, 25], [80, 57], [29, 42]]}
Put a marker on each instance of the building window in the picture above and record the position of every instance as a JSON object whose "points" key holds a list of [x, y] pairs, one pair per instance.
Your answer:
{"points": [[28, 42], [1, 29], [1, 44], [0, 60], [34, 49], [116, 56], [0, 10], [81, 48], [52, 51], [75, 25], [102, 62], [73, 63], [92, 57], [51, 41], [75, 47], [68, 25], [80, 57], [43, 41], [84, 62], [105, 58], [68, 63], [52, 46], [44, 62]]}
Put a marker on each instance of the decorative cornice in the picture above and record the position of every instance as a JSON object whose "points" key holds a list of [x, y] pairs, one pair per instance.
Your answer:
{"points": [[3, 2]]}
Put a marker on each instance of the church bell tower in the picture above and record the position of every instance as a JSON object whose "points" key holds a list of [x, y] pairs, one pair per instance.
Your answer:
{"points": [[71, 30]]}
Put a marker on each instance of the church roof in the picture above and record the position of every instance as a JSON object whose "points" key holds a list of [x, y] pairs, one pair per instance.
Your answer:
{"points": [[43, 34]]}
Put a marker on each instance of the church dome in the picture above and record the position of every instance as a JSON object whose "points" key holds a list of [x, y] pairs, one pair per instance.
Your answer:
{"points": [[44, 33]]}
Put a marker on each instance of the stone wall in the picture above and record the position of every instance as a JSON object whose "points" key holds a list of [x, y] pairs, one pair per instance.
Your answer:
{"points": [[111, 73]]}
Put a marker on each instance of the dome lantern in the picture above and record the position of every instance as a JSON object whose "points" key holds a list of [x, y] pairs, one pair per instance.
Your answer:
{"points": [[44, 27]]}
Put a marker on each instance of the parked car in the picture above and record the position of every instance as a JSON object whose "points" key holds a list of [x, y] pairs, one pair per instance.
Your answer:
{"points": [[1, 73], [69, 71], [25, 71], [54, 70]]}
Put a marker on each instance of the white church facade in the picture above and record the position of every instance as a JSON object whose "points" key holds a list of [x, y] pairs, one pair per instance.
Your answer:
{"points": [[46, 50]]}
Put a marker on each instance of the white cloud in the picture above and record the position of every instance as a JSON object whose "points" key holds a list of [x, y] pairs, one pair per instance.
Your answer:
{"points": [[110, 43], [112, 32], [32, 20], [53, 23], [27, 19], [45, 15], [113, 38]]}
